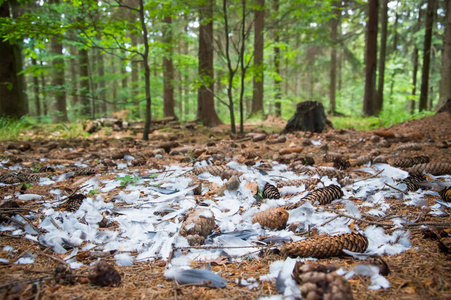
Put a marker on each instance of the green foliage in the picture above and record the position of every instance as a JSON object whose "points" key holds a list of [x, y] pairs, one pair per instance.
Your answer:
{"points": [[125, 180], [13, 128]]}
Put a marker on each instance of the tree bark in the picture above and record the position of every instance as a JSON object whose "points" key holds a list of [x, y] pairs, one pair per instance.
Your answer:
{"points": [[414, 79], [277, 82], [333, 56], [84, 83], [44, 89], [102, 89], [445, 81], [168, 70], [113, 86], [206, 106], [257, 95], [145, 57], [37, 100], [369, 100], [59, 110], [11, 102], [135, 75], [383, 49], [432, 6]]}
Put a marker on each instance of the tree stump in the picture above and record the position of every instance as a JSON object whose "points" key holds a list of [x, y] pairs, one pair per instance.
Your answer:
{"points": [[309, 116]]}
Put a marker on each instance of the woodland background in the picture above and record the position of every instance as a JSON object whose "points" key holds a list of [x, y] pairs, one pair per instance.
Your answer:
{"points": [[223, 60]]}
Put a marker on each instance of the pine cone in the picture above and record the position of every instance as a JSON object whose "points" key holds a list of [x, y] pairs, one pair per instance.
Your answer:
{"points": [[309, 182], [326, 246], [298, 167], [270, 191], [228, 173], [199, 222], [341, 163], [331, 156], [74, 202], [363, 160], [213, 170], [412, 182], [273, 218], [346, 181], [321, 282], [329, 172], [408, 146], [407, 162], [446, 194], [434, 168], [325, 195], [380, 159]]}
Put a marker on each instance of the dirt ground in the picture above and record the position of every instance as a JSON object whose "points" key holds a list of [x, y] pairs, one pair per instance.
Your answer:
{"points": [[422, 272]]}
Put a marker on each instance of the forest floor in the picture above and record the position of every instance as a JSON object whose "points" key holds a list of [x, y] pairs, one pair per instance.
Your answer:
{"points": [[27, 265]]}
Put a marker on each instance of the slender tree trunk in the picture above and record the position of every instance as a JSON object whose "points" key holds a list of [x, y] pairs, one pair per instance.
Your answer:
{"points": [[277, 82], [414, 79], [432, 6], [59, 111], [243, 68], [257, 95], [383, 48], [113, 85], [44, 89], [369, 100], [145, 57], [125, 89], [229, 66], [395, 32], [37, 100], [333, 56], [102, 89], [135, 76], [10, 92], [445, 81], [206, 105], [73, 78], [84, 83], [168, 70]]}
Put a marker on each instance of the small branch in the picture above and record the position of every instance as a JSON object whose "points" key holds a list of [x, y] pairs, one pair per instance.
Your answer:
{"points": [[395, 188]]}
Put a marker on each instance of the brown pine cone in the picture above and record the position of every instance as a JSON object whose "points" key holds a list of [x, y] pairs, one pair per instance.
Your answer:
{"points": [[326, 246], [446, 194], [309, 182], [273, 218], [407, 162], [434, 168], [74, 202], [200, 222], [270, 191], [329, 172], [408, 146], [321, 282], [341, 164], [325, 195], [213, 170]]}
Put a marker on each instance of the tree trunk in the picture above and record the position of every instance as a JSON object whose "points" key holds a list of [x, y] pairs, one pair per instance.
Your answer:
{"points": [[145, 57], [168, 70], [113, 85], [383, 48], [125, 89], [432, 4], [37, 100], [73, 78], [369, 100], [11, 102], [206, 105], [277, 82], [445, 81], [135, 75], [309, 116], [414, 79], [59, 110], [333, 56], [257, 95], [102, 89], [44, 94], [84, 83]]}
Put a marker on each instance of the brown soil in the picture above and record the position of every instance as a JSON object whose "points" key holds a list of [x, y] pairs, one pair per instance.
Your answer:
{"points": [[422, 272]]}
